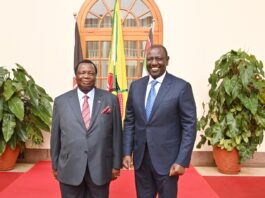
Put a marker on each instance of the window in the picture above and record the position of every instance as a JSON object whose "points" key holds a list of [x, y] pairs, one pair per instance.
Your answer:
{"points": [[94, 20]]}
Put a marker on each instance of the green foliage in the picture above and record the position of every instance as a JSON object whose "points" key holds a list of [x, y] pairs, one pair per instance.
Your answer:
{"points": [[25, 109], [236, 111]]}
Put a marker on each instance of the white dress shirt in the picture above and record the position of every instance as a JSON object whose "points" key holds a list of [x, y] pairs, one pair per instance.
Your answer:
{"points": [[157, 86], [90, 95]]}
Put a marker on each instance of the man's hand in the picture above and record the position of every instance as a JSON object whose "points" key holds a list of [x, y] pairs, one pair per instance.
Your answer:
{"points": [[127, 162], [115, 174], [55, 173], [176, 169]]}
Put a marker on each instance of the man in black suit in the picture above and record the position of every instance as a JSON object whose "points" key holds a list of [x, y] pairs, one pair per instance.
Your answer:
{"points": [[86, 140], [160, 136]]}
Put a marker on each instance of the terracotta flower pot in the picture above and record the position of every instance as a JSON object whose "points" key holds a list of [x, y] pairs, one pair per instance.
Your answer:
{"points": [[8, 158], [227, 162]]}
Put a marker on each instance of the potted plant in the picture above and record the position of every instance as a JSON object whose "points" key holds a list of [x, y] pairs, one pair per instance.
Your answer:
{"points": [[235, 118], [25, 111]]}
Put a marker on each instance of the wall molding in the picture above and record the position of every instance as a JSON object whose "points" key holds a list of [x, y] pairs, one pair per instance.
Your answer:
{"points": [[199, 158]]}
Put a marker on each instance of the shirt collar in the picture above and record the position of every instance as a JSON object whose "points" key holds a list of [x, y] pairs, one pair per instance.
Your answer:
{"points": [[81, 94], [159, 79]]}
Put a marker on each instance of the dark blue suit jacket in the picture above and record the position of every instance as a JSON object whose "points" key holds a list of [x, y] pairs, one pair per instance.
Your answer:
{"points": [[171, 130]]}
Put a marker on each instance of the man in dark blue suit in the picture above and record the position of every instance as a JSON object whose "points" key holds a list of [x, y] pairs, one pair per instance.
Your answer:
{"points": [[160, 135]]}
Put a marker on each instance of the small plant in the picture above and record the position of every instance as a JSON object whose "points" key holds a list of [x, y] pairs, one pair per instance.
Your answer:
{"points": [[236, 111], [25, 109]]}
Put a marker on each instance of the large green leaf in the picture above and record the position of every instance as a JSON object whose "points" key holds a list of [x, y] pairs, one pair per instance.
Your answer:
{"points": [[260, 120], [217, 134], [8, 89], [8, 126], [259, 65], [21, 132], [18, 86], [228, 86], [229, 144], [1, 108], [3, 73], [251, 103], [221, 100], [36, 121], [42, 113], [212, 80], [202, 141], [238, 139], [20, 77], [16, 106], [259, 85], [202, 123], [259, 132], [236, 87], [245, 135], [43, 93], [45, 102], [34, 134], [222, 67], [13, 142], [23, 71], [246, 73], [32, 92], [2, 146], [231, 122]]}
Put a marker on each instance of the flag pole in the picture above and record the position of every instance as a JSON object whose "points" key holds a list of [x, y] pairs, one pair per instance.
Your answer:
{"points": [[149, 43], [78, 53], [117, 78]]}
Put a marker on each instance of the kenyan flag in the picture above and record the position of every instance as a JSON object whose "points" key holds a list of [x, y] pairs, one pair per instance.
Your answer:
{"points": [[117, 79]]}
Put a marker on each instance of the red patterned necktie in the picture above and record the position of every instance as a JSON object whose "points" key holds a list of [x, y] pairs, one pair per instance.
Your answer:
{"points": [[86, 111]]}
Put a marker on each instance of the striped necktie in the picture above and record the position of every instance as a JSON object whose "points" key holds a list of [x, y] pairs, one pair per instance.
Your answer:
{"points": [[150, 99], [86, 111]]}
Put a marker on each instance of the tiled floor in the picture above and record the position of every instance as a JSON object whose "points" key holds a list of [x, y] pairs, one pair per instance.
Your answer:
{"points": [[204, 171]]}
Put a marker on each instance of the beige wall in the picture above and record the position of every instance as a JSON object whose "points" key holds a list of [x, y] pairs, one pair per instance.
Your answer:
{"points": [[40, 36]]}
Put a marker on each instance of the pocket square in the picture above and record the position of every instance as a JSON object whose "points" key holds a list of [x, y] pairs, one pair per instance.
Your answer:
{"points": [[106, 110]]}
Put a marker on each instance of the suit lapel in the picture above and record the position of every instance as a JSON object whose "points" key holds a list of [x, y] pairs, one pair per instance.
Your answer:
{"points": [[98, 100], [141, 96], [74, 103], [163, 90]]}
